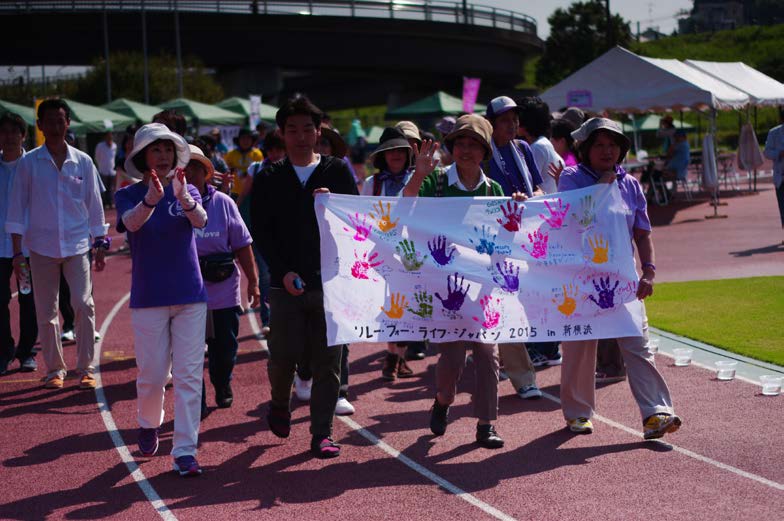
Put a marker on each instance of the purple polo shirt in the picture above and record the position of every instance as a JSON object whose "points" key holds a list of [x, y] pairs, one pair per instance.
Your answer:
{"points": [[225, 232], [165, 268], [581, 176]]}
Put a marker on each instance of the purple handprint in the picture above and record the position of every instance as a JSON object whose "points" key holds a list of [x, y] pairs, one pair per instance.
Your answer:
{"points": [[438, 250], [538, 242], [513, 215], [491, 314], [361, 228], [557, 214], [606, 294], [508, 276], [455, 293]]}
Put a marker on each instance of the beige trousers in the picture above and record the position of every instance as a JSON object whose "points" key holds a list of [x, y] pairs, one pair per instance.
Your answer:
{"points": [[449, 368], [517, 365]]}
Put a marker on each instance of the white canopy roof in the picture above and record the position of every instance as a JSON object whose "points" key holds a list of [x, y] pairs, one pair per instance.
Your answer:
{"points": [[622, 81], [762, 89]]}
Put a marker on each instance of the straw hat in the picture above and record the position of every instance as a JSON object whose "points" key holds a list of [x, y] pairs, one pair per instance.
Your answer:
{"points": [[147, 135], [410, 130], [198, 155], [473, 126]]}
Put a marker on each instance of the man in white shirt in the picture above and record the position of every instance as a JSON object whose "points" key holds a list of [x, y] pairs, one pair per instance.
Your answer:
{"points": [[774, 150], [105, 153], [55, 205], [535, 130]]}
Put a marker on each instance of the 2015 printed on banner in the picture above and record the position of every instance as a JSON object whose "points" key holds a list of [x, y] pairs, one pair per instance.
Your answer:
{"points": [[482, 269]]}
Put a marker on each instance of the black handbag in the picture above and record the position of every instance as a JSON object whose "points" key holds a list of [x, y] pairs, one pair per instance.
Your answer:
{"points": [[217, 267]]}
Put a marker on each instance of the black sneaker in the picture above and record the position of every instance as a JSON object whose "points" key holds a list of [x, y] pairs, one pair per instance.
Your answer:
{"points": [[224, 397], [279, 421], [28, 365], [487, 437], [323, 447], [415, 351], [438, 418]]}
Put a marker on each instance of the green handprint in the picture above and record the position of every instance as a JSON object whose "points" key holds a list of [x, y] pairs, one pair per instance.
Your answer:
{"points": [[588, 206], [425, 302], [411, 260]]}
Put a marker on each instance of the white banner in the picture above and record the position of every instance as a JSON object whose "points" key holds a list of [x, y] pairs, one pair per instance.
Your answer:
{"points": [[486, 269]]}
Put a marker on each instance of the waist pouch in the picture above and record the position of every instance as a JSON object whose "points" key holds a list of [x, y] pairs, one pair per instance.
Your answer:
{"points": [[217, 267]]}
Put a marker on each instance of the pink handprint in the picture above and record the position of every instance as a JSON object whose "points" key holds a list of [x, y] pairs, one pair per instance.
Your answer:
{"points": [[557, 214], [513, 214], [492, 315], [361, 265], [361, 228], [538, 245]]}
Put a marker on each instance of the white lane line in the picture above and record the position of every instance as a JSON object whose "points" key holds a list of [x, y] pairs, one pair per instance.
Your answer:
{"points": [[435, 478], [676, 448], [111, 427]]}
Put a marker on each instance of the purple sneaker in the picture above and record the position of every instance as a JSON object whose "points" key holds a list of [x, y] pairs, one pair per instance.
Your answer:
{"points": [[187, 466], [148, 442]]}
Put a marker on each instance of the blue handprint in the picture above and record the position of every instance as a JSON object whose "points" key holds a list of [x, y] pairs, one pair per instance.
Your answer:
{"points": [[508, 276], [455, 293], [438, 250], [606, 295], [485, 242]]}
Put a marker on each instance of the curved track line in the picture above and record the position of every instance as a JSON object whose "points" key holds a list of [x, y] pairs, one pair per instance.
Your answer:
{"points": [[111, 427]]}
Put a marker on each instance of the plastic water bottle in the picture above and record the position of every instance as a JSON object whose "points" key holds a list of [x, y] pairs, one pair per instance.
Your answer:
{"points": [[25, 287]]}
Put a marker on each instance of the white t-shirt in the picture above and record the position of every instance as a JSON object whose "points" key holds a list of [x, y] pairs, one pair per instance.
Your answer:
{"points": [[545, 155], [304, 172], [104, 158]]}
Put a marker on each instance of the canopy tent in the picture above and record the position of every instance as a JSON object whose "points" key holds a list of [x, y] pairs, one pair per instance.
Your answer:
{"points": [[436, 105], [621, 81], [374, 135], [133, 109], [97, 119], [761, 89], [28, 115], [650, 123], [205, 114], [242, 106]]}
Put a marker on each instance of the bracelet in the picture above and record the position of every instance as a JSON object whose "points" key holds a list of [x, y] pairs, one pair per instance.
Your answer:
{"points": [[104, 243], [649, 265], [195, 204], [144, 202]]}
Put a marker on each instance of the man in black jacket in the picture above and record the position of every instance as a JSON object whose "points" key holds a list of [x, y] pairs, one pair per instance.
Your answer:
{"points": [[283, 223]]}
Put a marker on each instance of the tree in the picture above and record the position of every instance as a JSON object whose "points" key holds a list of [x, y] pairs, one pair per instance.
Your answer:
{"points": [[578, 35]]}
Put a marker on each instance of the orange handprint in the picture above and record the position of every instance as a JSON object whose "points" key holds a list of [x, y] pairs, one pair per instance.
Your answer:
{"points": [[568, 305], [397, 303], [383, 220], [599, 246]]}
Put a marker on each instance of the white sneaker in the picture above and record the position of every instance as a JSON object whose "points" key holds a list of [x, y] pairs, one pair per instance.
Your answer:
{"points": [[344, 407], [302, 388], [67, 336], [529, 392]]}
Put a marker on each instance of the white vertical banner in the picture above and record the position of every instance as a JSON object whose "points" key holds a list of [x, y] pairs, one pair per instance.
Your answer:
{"points": [[255, 111]]}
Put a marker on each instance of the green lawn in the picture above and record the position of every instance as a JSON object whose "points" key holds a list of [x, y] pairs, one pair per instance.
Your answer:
{"points": [[740, 315]]}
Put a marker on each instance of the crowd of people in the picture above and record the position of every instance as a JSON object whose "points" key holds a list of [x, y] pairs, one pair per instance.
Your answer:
{"points": [[196, 216]]}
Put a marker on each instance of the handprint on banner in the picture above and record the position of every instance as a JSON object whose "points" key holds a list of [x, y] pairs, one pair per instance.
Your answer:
{"points": [[605, 293], [492, 316], [359, 270], [557, 214], [455, 293], [599, 246], [438, 250], [411, 259], [538, 242], [361, 227], [424, 301], [397, 303], [485, 242], [569, 303], [507, 277], [383, 221], [513, 216], [587, 215]]}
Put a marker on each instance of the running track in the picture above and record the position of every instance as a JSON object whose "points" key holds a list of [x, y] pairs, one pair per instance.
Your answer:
{"points": [[59, 459]]}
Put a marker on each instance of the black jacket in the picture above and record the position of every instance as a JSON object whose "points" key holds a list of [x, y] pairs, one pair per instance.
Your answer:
{"points": [[283, 220]]}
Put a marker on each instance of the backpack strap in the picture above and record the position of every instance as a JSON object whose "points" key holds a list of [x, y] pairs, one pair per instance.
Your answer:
{"points": [[377, 186], [441, 180]]}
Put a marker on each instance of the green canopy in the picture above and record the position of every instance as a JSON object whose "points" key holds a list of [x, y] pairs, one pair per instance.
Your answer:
{"points": [[374, 135], [95, 119], [133, 109], [650, 122], [242, 106], [205, 114], [28, 114], [436, 105]]}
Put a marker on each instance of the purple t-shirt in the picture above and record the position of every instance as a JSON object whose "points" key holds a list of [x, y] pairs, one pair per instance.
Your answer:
{"points": [[225, 232], [581, 176], [165, 267]]}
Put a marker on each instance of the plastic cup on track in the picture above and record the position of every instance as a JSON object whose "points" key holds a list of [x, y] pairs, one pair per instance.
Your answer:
{"points": [[653, 346], [725, 369], [682, 356], [771, 385]]}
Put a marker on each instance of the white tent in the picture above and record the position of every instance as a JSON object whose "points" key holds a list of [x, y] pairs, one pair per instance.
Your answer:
{"points": [[762, 89], [622, 81]]}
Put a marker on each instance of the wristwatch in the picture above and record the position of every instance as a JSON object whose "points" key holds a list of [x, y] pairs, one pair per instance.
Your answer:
{"points": [[104, 243]]}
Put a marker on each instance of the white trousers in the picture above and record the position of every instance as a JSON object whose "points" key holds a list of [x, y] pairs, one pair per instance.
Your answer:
{"points": [[170, 340]]}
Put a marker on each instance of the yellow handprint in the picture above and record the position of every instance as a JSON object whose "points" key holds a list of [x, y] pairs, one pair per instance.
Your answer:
{"points": [[568, 305], [397, 303], [599, 247], [384, 222]]}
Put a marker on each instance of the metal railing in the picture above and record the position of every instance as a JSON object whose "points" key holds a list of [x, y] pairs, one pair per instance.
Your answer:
{"points": [[427, 10]]}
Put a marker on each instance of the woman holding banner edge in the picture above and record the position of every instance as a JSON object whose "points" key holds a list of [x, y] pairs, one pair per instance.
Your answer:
{"points": [[601, 149]]}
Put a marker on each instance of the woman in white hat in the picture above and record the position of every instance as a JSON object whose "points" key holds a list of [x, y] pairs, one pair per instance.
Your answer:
{"points": [[168, 299]]}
